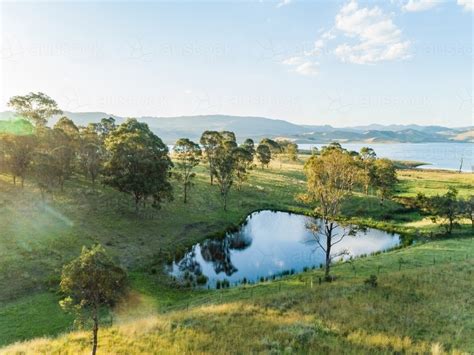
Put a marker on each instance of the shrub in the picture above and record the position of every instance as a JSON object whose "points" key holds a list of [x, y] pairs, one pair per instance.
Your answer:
{"points": [[371, 281]]}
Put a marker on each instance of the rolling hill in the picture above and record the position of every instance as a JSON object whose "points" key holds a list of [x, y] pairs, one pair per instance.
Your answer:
{"points": [[172, 128]]}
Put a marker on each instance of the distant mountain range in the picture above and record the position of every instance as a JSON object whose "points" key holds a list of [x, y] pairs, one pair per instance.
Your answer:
{"points": [[172, 128]]}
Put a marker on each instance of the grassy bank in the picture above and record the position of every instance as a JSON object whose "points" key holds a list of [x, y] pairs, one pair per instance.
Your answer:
{"points": [[38, 238], [421, 305]]}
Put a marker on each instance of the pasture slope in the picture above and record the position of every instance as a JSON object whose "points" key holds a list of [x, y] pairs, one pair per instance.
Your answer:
{"points": [[423, 302]]}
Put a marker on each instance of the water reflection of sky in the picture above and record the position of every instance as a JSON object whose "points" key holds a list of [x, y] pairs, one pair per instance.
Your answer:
{"points": [[270, 243]]}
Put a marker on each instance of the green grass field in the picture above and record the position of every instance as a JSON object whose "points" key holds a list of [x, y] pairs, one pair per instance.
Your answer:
{"points": [[36, 239]]}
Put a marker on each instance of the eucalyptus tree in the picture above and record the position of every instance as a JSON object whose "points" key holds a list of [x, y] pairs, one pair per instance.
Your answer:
{"points": [[210, 141], [367, 157], [91, 153], [367, 153], [332, 146], [274, 147], [444, 209], [384, 178], [35, 107], [138, 163], [17, 155], [91, 282], [225, 168], [264, 155], [249, 146], [467, 208], [187, 155], [66, 141], [106, 126], [228, 136], [243, 163], [45, 172], [289, 149], [330, 180], [45, 167], [103, 128]]}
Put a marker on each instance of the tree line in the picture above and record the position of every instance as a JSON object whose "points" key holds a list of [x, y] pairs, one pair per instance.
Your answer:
{"points": [[128, 157], [447, 209]]}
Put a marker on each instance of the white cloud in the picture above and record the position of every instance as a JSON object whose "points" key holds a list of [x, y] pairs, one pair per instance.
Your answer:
{"points": [[365, 36], [308, 68], [302, 66], [468, 5], [420, 5], [283, 3], [320, 43], [377, 37], [293, 61]]}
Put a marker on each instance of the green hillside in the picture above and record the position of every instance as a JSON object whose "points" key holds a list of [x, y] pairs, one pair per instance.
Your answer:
{"points": [[272, 316]]}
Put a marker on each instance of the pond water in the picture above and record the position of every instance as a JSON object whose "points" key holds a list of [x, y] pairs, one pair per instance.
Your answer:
{"points": [[438, 155], [268, 245]]}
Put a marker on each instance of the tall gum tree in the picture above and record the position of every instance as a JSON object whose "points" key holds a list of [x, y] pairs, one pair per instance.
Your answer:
{"points": [[331, 178], [187, 155], [35, 107], [138, 163]]}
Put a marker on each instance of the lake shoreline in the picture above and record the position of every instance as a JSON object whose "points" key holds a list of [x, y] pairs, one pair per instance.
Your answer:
{"points": [[269, 245]]}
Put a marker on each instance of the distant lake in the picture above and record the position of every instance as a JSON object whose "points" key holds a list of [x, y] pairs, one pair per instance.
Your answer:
{"points": [[270, 244], [439, 155]]}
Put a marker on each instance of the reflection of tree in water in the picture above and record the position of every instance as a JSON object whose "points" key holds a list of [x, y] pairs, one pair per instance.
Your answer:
{"points": [[189, 263], [218, 251], [239, 240]]}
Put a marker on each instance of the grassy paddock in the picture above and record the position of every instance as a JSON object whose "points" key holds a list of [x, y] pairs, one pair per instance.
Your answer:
{"points": [[419, 306], [37, 238]]}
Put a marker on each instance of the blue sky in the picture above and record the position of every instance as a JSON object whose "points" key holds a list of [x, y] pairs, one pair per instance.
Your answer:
{"points": [[319, 62]]}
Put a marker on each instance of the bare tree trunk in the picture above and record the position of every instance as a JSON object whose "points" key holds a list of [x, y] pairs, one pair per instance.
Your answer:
{"points": [[137, 201], [185, 192], [328, 230], [95, 330], [22, 182], [14, 180]]}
